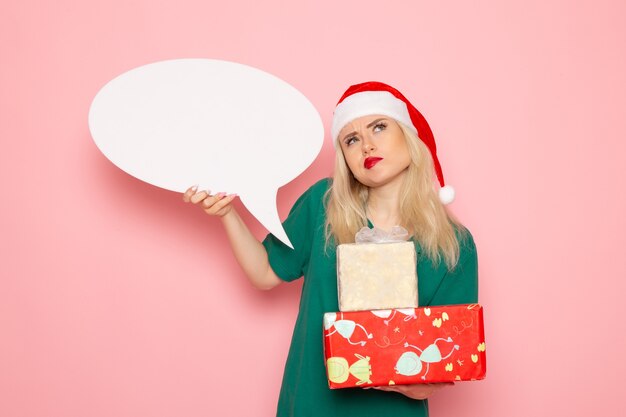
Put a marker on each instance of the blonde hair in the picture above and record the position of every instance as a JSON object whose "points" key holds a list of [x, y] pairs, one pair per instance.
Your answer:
{"points": [[421, 211]]}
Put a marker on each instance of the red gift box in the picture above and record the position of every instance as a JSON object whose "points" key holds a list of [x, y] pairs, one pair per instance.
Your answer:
{"points": [[404, 346]]}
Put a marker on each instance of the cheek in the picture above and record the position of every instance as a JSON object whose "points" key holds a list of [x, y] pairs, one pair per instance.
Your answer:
{"points": [[402, 151], [401, 159], [406, 158], [352, 159]]}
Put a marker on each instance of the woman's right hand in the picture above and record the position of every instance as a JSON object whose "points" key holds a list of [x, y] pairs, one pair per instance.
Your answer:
{"points": [[216, 205]]}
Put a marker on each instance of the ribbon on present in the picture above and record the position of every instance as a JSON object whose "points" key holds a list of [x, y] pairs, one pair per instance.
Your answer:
{"points": [[376, 235]]}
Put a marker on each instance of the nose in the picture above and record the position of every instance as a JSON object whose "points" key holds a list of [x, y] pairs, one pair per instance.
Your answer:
{"points": [[367, 146]]}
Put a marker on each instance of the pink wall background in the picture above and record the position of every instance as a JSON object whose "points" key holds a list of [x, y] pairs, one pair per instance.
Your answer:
{"points": [[116, 299]]}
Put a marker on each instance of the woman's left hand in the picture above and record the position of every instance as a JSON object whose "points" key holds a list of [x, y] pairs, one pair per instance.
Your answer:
{"points": [[416, 391]]}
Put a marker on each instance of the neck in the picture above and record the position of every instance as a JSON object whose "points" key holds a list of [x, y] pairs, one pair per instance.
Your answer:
{"points": [[383, 207]]}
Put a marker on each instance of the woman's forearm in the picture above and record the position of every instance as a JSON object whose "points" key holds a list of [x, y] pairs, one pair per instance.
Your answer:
{"points": [[249, 252]]}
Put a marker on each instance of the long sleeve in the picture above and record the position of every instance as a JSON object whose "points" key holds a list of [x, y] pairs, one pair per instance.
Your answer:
{"points": [[289, 264]]}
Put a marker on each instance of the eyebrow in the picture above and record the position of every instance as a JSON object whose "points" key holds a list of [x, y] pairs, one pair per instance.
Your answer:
{"points": [[368, 126]]}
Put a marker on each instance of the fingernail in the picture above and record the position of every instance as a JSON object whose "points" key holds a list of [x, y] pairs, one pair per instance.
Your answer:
{"points": [[220, 195], [195, 187]]}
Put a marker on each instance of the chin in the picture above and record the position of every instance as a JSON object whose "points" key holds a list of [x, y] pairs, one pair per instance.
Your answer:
{"points": [[374, 180]]}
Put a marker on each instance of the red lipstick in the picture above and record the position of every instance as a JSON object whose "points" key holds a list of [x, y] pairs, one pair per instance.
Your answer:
{"points": [[370, 161]]}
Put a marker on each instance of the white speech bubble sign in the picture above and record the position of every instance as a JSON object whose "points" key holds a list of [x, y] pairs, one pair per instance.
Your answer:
{"points": [[222, 125]]}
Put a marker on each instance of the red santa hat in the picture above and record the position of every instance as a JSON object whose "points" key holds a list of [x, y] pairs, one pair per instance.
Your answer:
{"points": [[374, 97]]}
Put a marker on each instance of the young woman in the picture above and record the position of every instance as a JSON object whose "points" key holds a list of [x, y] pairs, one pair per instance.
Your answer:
{"points": [[384, 166]]}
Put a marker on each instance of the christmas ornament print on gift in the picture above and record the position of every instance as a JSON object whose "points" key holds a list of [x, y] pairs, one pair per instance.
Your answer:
{"points": [[410, 363], [339, 370], [344, 327]]}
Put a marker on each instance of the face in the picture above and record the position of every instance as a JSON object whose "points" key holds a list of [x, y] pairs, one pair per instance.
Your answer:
{"points": [[375, 150]]}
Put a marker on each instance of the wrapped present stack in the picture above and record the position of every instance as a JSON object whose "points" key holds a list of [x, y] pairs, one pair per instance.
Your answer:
{"points": [[380, 336]]}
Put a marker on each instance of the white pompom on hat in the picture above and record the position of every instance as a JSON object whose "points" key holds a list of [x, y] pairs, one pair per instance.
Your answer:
{"points": [[374, 97]]}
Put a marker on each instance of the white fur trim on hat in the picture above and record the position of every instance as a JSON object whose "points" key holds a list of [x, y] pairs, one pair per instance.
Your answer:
{"points": [[366, 103]]}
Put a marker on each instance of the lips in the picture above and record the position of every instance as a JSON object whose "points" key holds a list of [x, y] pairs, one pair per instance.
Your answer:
{"points": [[371, 161]]}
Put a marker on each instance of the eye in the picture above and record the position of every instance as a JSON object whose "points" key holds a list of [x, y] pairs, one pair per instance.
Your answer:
{"points": [[379, 126], [349, 141]]}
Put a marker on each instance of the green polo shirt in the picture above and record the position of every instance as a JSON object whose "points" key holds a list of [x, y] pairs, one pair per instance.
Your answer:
{"points": [[305, 389]]}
